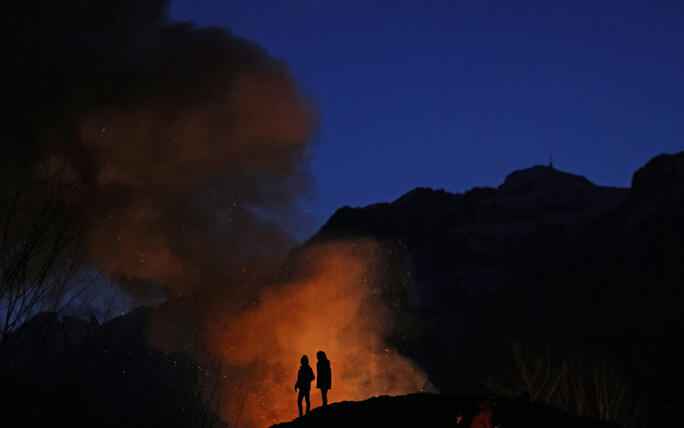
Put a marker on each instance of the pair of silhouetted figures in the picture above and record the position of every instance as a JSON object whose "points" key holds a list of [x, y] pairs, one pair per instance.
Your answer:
{"points": [[305, 376]]}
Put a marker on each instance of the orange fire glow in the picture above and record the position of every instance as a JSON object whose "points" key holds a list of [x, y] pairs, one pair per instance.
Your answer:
{"points": [[337, 309]]}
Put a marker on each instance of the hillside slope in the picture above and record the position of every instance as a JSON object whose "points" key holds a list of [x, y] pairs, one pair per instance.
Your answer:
{"points": [[435, 411], [548, 260]]}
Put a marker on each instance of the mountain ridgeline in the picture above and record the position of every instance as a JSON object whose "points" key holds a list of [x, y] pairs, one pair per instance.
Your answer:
{"points": [[545, 272], [471, 239], [559, 297]]}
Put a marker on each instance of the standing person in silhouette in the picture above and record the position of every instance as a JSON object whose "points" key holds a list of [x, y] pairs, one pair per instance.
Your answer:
{"points": [[304, 378], [324, 379]]}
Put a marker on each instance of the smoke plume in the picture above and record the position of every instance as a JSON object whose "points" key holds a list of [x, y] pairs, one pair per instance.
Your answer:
{"points": [[191, 145], [190, 140]]}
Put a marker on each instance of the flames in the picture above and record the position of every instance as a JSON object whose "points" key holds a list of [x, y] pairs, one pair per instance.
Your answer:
{"points": [[336, 308]]}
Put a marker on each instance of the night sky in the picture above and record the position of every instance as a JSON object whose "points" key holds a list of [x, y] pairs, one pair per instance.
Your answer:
{"points": [[457, 94]]}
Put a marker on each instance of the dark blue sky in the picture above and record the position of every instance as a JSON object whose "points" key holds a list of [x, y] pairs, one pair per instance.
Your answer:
{"points": [[457, 94]]}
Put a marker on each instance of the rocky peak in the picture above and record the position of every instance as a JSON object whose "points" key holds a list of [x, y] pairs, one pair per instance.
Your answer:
{"points": [[661, 173], [542, 180]]}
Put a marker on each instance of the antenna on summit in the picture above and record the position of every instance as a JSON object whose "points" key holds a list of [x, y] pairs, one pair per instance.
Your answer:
{"points": [[550, 157]]}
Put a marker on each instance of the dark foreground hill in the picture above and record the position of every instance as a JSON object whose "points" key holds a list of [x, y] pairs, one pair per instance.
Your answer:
{"points": [[435, 411]]}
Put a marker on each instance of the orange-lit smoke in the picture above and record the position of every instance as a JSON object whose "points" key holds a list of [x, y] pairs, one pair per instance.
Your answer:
{"points": [[166, 173], [191, 146], [338, 308]]}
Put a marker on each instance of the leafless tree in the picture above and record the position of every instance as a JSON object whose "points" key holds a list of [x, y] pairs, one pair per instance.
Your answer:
{"points": [[611, 393], [591, 387], [203, 393], [41, 250]]}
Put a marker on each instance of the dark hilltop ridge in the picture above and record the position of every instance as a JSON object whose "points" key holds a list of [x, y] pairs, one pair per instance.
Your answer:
{"points": [[436, 411], [545, 273], [557, 296], [471, 239]]}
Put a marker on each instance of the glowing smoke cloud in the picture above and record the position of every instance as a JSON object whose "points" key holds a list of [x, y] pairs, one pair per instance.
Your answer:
{"points": [[192, 146], [337, 308]]}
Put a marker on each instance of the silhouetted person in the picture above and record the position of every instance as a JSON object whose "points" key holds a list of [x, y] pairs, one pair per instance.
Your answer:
{"points": [[483, 417], [304, 378], [324, 379]]}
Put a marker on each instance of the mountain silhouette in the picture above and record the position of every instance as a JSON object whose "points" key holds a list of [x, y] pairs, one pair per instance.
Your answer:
{"points": [[547, 259], [435, 411]]}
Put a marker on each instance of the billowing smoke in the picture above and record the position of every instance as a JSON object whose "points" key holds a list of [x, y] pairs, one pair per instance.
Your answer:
{"points": [[193, 186], [191, 146], [191, 141]]}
